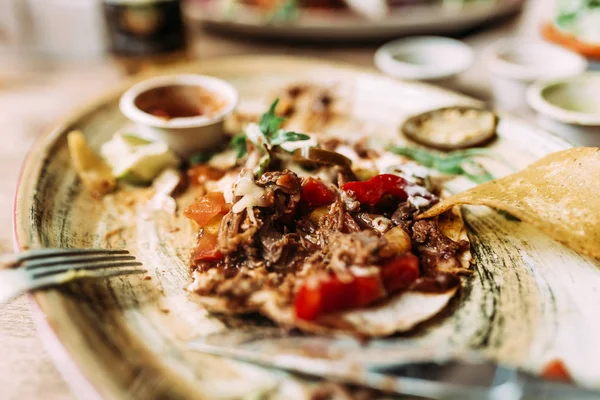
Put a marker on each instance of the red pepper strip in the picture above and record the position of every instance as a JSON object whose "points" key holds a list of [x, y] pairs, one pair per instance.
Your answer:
{"points": [[320, 295], [400, 273], [206, 250], [315, 193], [370, 192], [329, 294]]}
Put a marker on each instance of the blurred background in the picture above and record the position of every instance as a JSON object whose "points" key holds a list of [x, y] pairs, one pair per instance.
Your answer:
{"points": [[58, 54], [95, 42]]}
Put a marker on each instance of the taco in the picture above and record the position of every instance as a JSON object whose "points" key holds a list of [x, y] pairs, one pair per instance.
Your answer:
{"points": [[319, 233]]}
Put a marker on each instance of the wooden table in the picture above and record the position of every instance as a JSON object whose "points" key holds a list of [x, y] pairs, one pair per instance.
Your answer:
{"points": [[32, 99]]}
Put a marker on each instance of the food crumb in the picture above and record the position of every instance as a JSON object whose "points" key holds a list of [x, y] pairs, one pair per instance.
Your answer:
{"points": [[130, 201], [555, 370], [114, 232]]}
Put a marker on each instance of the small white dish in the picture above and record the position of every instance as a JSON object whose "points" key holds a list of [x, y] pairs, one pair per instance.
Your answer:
{"points": [[424, 58], [515, 64], [184, 133], [569, 107]]}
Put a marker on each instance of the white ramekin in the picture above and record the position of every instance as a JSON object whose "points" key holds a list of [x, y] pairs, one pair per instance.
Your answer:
{"points": [[556, 104], [424, 58], [185, 136], [515, 64]]}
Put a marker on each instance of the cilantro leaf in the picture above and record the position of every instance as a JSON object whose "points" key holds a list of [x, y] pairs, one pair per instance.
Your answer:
{"points": [[458, 162], [201, 157], [239, 145], [270, 122], [269, 136], [281, 137]]}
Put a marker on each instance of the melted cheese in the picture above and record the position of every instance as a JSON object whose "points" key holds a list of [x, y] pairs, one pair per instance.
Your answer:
{"points": [[224, 185], [252, 194], [254, 134]]}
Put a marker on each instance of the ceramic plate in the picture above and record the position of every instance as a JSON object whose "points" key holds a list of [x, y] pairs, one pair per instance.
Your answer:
{"points": [[320, 24], [530, 300]]}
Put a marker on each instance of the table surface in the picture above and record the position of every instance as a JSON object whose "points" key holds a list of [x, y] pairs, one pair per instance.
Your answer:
{"points": [[33, 98]]}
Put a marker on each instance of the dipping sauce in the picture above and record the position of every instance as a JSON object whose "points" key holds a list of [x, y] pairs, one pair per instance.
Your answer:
{"points": [[180, 101]]}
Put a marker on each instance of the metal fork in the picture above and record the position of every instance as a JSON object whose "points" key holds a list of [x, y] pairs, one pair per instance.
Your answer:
{"points": [[34, 269]]}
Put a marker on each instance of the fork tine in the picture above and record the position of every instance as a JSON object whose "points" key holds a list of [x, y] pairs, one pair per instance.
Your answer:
{"points": [[57, 269], [68, 276], [43, 253], [76, 259]]}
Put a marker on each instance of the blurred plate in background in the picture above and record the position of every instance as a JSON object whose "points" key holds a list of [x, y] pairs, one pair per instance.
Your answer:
{"points": [[413, 17]]}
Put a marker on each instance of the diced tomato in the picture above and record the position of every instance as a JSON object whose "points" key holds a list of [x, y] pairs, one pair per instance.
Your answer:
{"points": [[370, 192], [206, 249], [315, 193], [555, 370], [201, 173], [324, 294], [399, 273], [368, 290], [321, 295], [205, 208]]}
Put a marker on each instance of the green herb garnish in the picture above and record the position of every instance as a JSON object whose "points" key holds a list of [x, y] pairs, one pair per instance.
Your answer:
{"points": [[272, 136], [270, 122], [282, 137], [459, 162], [287, 11], [201, 157], [239, 145], [263, 164]]}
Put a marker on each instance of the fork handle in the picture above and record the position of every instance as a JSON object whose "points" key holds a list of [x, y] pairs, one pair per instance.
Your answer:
{"points": [[9, 260]]}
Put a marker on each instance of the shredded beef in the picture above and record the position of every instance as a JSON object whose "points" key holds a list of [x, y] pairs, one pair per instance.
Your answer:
{"points": [[349, 224], [436, 251], [278, 249], [282, 191], [334, 219], [373, 221], [404, 215], [238, 230], [346, 250], [286, 181]]}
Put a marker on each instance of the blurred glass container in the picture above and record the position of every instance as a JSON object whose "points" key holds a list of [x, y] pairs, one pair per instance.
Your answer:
{"points": [[145, 33], [61, 28]]}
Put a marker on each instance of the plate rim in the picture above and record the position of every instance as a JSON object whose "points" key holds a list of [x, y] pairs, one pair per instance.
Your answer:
{"points": [[72, 372]]}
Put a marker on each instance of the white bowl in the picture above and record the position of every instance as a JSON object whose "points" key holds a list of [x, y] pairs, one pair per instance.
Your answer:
{"points": [[424, 58], [515, 64], [184, 135], [569, 107]]}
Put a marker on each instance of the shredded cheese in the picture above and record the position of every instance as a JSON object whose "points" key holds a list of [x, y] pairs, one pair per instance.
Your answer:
{"points": [[252, 194]]}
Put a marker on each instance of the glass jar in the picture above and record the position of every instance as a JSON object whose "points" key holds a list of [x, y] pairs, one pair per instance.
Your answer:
{"points": [[145, 33]]}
